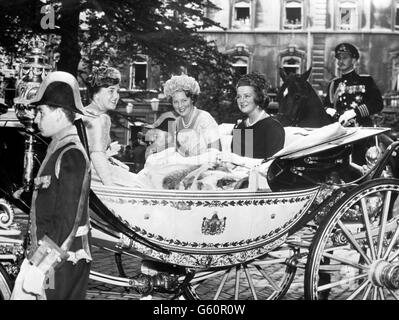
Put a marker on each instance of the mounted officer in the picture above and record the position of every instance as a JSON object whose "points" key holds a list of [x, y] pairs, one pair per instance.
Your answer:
{"points": [[352, 97]]}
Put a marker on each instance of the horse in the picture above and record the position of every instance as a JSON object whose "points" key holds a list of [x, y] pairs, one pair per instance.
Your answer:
{"points": [[299, 104]]}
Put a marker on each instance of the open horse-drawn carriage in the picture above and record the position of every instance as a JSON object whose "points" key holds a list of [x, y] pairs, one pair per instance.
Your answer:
{"points": [[193, 243], [340, 225]]}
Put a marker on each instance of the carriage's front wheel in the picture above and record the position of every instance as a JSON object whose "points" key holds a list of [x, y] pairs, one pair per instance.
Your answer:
{"points": [[267, 278], [354, 254]]}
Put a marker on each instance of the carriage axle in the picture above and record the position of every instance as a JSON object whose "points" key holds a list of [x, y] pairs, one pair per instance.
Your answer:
{"points": [[145, 284], [385, 274]]}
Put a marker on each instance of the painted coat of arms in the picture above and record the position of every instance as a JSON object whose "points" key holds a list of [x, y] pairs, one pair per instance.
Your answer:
{"points": [[214, 225]]}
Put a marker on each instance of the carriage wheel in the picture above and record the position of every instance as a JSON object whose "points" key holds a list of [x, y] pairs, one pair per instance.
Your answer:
{"points": [[5, 284], [267, 278], [354, 254]]}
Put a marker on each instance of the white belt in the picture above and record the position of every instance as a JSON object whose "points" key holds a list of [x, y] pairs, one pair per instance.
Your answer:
{"points": [[82, 230], [74, 257]]}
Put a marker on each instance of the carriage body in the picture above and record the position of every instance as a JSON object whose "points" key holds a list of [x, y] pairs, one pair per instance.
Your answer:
{"points": [[211, 229], [204, 229]]}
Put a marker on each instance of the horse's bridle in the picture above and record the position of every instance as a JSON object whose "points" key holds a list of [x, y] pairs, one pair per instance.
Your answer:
{"points": [[301, 100]]}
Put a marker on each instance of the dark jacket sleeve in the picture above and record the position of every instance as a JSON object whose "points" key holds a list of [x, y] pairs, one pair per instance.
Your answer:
{"points": [[276, 134], [372, 102], [73, 168]]}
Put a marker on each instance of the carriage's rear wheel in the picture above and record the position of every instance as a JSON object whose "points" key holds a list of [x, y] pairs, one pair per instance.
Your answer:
{"points": [[5, 284], [354, 254], [267, 278]]}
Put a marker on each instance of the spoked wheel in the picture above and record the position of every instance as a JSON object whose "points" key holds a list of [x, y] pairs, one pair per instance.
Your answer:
{"points": [[5, 284], [354, 254], [267, 278]]}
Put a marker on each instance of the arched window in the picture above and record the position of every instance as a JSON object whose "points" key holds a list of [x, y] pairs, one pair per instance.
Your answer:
{"points": [[242, 14], [240, 56], [291, 64], [347, 15], [240, 65], [292, 60], [139, 73], [293, 14], [395, 74]]}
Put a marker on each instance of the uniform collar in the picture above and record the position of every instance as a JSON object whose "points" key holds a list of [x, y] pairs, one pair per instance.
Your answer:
{"points": [[349, 74], [63, 137]]}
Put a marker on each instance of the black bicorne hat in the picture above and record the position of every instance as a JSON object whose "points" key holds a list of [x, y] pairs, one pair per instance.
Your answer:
{"points": [[60, 95], [59, 89]]}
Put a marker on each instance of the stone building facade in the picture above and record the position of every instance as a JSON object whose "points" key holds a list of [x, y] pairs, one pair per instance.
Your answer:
{"points": [[263, 35]]}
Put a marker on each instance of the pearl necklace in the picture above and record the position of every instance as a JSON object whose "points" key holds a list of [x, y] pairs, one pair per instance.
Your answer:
{"points": [[249, 124], [185, 126]]}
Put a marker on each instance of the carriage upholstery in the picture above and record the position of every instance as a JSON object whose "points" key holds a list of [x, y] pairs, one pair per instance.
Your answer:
{"points": [[294, 136], [301, 142]]}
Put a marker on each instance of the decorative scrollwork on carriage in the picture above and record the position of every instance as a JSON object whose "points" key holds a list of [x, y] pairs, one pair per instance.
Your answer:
{"points": [[6, 214]]}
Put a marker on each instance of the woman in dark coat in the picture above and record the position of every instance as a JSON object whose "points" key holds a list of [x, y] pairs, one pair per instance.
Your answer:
{"points": [[257, 135]]}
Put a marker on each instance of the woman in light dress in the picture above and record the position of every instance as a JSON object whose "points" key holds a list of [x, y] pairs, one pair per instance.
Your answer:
{"points": [[195, 131], [103, 87]]}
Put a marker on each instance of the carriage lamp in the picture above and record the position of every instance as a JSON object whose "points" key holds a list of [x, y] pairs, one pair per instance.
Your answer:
{"points": [[154, 104], [31, 74]]}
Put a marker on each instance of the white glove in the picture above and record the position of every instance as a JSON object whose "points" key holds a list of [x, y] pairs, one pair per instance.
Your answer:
{"points": [[346, 117], [331, 112], [34, 280], [118, 163], [113, 149], [238, 160]]}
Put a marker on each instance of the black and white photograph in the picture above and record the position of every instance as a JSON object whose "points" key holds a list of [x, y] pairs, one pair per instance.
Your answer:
{"points": [[176, 152]]}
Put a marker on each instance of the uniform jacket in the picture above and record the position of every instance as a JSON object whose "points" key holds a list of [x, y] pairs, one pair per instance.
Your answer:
{"points": [[60, 198], [358, 92]]}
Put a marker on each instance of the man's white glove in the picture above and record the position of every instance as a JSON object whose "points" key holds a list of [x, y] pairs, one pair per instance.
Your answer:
{"points": [[34, 280], [346, 117], [331, 112]]}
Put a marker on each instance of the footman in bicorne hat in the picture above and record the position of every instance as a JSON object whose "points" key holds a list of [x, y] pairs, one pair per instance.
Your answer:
{"points": [[58, 257]]}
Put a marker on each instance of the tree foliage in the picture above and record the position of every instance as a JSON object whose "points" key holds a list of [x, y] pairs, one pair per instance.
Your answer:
{"points": [[168, 31]]}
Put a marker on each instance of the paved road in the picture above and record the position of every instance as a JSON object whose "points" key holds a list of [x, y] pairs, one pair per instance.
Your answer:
{"points": [[104, 262]]}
